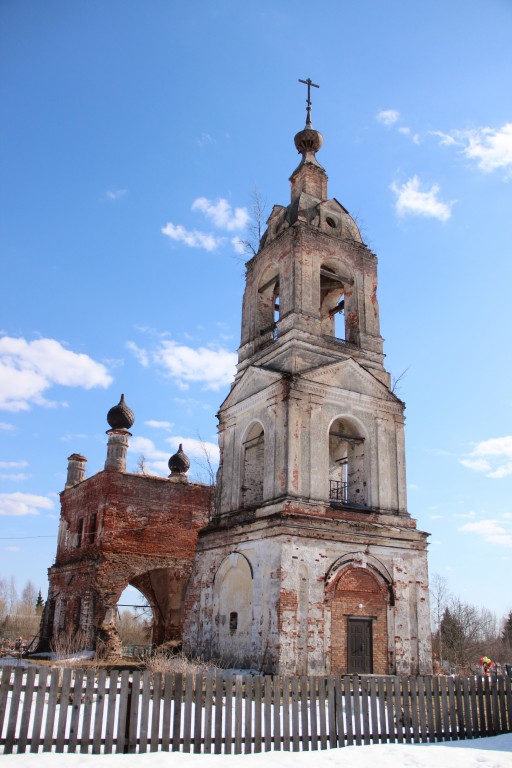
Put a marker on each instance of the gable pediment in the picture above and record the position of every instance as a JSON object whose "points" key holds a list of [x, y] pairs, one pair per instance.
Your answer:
{"points": [[350, 376], [253, 380]]}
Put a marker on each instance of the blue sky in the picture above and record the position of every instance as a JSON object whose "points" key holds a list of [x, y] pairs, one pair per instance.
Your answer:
{"points": [[132, 135]]}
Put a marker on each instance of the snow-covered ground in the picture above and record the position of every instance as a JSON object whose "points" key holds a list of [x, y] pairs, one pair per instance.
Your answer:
{"points": [[493, 752]]}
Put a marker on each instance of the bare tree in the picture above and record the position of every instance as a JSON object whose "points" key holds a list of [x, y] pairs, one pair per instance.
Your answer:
{"points": [[209, 470], [395, 381], [439, 596], [29, 595], [255, 228], [142, 465]]}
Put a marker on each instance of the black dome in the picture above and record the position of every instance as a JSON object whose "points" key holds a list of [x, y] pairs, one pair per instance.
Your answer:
{"points": [[179, 463], [120, 416]]}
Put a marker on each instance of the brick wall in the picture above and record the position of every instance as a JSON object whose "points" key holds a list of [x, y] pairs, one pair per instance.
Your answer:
{"points": [[116, 529]]}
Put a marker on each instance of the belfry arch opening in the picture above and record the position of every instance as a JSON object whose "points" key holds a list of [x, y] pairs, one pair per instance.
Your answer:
{"points": [[268, 306], [253, 454], [347, 476], [332, 303]]}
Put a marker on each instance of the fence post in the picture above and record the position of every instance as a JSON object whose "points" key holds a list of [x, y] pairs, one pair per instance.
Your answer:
{"points": [[126, 745]]}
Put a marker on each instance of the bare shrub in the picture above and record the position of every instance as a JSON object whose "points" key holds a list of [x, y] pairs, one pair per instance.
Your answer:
{"points": [[67, 649], [160, 661]]}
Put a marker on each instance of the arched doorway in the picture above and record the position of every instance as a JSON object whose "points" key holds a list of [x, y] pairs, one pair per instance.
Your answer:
{"points": [[359, 618]]}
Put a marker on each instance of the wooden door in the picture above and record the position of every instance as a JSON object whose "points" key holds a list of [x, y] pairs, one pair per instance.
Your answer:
{"points": [[360, 650]]}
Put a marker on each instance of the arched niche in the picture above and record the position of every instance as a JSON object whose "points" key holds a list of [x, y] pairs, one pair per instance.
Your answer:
{"points": [[253, 458], [233, 601], [348, 481]]}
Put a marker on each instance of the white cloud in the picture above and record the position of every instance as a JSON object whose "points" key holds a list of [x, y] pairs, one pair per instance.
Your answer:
{"points": [[21, 504], [140, 354], [491, 148], [411, 201], [115, 194], [465, 515], [4, 427], [492, 531], [13, 464], [445, 139], [414, 137], [238, 245], [214, 367], [505, 470], [478, 465], [12, 549], [15, 477], [493, 456], [388, 116], [29, 368], [205, 139], [157, 461], [159, 424], [222, 214], [195, 448], [192, 238]]}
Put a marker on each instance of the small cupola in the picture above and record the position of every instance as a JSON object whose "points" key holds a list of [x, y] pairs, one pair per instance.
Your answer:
{"points": [[120, 419], [309, 177], [179, 464]]}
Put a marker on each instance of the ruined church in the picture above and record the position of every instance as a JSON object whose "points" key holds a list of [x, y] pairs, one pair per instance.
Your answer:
{"points": [[307, 560]]}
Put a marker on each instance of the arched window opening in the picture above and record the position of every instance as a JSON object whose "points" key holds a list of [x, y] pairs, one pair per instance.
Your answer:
{"points": [[277, 309], [253, 462], [347, 481], [268, 309], [332, 303], [79, 533]]}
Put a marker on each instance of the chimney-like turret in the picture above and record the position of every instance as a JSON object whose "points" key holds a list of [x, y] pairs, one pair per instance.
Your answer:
{"points": [[76, 470]]}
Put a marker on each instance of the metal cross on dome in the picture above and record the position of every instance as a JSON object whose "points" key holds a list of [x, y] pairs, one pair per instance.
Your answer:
{"points": [[309, 84]]}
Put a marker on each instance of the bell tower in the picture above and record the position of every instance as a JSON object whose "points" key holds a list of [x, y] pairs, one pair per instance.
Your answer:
{"points": [[312, 547]]}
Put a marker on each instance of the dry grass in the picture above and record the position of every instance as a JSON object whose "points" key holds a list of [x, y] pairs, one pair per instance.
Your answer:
{"points": [[68, 652], [163, 662], [65, 646]]}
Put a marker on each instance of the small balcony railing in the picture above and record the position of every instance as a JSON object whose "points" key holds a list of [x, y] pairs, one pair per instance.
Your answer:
{"points": [[338, 491]]}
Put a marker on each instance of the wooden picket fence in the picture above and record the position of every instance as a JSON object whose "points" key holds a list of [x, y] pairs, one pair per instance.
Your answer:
{"points": [[75, 710]]}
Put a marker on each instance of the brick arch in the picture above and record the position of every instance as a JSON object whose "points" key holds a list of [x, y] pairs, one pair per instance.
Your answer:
{"points": [[164, 588], [359, 560], [358, 593]]}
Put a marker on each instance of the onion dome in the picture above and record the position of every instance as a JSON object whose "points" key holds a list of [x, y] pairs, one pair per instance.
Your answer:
{"points": [[179, 463], [120, 416], [308, 140]]}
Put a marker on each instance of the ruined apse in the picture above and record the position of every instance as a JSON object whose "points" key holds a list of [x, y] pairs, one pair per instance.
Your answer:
{"points": [[312, 562], [118, 528]]}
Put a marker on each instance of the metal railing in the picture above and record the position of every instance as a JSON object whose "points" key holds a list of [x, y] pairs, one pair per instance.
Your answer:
{"points": [[338, 491]]}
